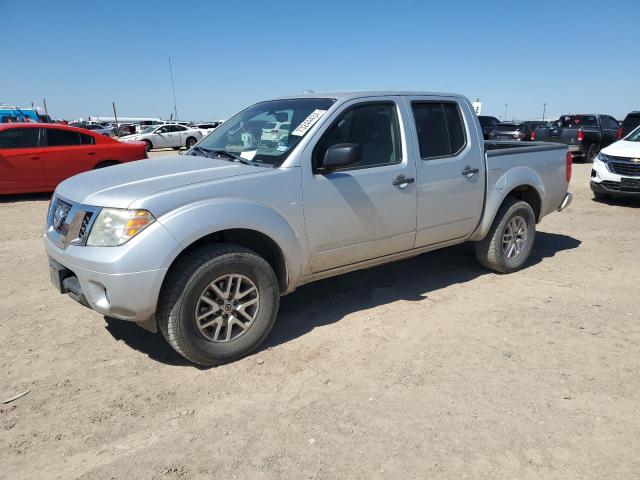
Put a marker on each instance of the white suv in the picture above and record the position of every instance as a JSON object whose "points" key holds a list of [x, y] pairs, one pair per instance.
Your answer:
{"points": [[274, 131], [616, 169]]}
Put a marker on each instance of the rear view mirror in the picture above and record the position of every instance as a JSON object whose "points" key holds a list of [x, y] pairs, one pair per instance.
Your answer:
{"points": [[341, 155]]}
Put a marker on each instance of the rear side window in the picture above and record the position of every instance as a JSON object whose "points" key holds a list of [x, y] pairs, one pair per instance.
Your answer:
{"points": [[62, 138], [19, 138], [610, 123], [87, 139], [440, 128]]}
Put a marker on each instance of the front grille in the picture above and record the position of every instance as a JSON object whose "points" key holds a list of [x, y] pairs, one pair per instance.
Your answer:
{"points": [[609, 185], [629, 169], [628, 185], [85, 224]]}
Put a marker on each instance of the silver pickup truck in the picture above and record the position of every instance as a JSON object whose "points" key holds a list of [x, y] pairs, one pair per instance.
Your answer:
{"points": [[286, 192]]}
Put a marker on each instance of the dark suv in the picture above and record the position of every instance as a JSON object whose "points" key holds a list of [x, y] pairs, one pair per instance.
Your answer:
{"points": [[488, 124], [630, 123], [521, 131]]}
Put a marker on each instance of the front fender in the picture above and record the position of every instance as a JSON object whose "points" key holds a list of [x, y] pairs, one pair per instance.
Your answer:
{"points": [[197, 220], [500, 185]]}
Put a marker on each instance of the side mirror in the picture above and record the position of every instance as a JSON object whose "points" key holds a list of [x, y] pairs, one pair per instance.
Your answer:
{"points": [[341, 155]]}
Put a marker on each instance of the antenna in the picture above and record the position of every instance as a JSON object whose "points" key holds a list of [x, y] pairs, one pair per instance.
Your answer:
{"points": [[173, 90]]}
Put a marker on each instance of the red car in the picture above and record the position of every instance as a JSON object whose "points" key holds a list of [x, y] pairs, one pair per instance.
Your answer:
{"points": [[36, 157]]}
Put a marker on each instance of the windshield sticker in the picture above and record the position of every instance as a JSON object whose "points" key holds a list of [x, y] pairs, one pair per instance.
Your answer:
{"points": [[282, 148], [248, 155], [308, 122]]}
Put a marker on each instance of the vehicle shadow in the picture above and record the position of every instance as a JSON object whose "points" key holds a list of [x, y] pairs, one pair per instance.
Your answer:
{"points": [[151, 344], [629, 202], [328, 301], [25, 197]]}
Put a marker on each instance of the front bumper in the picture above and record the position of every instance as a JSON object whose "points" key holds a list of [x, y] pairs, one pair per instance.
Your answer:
{"points": [[121, 282], [607, 182]]}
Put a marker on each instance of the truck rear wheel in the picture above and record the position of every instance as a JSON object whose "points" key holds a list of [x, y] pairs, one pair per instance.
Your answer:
{"points": [[507, 246], [218, 304], [592, 152]]}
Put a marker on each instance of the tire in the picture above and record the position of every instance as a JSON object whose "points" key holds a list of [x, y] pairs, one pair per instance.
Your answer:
{"points": [[490, 251], [108, 163], [190, 280], [191, 142], [149, 145], [592, 151]]}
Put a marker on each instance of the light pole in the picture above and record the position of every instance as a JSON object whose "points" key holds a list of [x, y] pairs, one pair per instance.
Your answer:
{"points": [[505, 111], [544, 110]]}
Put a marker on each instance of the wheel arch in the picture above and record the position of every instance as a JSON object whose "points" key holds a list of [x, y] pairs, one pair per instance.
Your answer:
{"points": [[522, 183], [254, 240]]}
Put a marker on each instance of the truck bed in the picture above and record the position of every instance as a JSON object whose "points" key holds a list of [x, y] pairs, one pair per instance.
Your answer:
{"points": [[504, 159]]}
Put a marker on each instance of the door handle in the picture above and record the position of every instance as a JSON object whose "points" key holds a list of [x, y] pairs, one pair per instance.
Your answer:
{"points": [[35, 158], [91, 153], [402, 181], [469, 172]]}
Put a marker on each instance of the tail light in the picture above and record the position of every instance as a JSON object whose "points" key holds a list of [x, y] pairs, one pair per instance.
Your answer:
{"points": [[533, 136], [619, 134], [569, 164], [580, 135]]}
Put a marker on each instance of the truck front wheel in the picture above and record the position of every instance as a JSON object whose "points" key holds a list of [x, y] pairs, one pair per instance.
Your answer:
{"points": [[218, 303], [507, 246]]}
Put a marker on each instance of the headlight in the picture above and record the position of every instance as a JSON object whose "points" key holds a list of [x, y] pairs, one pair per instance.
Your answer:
{"points": [[603, 158], [116, 226]]}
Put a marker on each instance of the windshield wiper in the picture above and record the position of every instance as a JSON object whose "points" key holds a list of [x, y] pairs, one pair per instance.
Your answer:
{"points": [[233, 156], [204, 151]]}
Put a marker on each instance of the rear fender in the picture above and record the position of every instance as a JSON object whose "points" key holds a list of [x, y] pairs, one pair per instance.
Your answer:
{"points": [[500, 184]]}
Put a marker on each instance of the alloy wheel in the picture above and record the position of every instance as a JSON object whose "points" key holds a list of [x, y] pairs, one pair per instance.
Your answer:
{"points": [[227, 308], [514, 237]]}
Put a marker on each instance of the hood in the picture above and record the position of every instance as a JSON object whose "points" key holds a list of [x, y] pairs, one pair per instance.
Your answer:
{"points": [[119, 186], [623, 148]]}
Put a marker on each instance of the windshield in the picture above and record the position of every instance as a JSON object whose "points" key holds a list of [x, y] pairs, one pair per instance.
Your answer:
{"points": [[149, 129], [250, 134], [634, 136]]}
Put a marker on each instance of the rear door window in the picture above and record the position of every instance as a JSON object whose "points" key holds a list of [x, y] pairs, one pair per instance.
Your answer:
{"points": [[440, 128], [87, 139], [62, 138], [19, 138]]}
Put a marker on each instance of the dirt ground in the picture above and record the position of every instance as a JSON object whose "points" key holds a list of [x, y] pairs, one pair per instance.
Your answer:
{"points": [[426, 368]]}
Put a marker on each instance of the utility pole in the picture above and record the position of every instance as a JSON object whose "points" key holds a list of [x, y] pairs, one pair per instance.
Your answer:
{"points": [[115, 115], [544, 110], [173, 90]]}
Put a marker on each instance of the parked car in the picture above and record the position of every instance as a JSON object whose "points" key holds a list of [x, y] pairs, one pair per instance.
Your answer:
{"points": [[207, 128], [519, 131], [275, 131], [487, 124], [630, 123], [166, 136], [97, 128], [585, 135], [37, 157], [616, 169], [205, 244]]}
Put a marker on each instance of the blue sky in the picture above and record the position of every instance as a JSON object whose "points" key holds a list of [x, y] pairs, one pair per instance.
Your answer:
{"points": [[578, 56]]}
